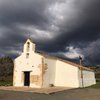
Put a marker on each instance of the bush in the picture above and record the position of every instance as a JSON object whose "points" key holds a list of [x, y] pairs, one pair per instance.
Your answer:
{"points": [[4, 83], [97, 79]]}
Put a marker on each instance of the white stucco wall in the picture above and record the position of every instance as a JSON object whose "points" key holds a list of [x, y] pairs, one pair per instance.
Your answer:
{"points": [[49, 76], [22, 64], [88, 78], [66, 75]]}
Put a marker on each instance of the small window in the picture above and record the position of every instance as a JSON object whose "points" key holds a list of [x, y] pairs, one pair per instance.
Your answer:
{"points": [[27, 55], [28, 46]]}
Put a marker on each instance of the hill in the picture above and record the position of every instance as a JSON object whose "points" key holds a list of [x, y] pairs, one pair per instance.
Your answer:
{"points": [[6, 70], [97, 72]]}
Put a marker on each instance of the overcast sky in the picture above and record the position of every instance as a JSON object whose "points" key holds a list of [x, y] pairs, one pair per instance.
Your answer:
{"points": [[64, 28]]}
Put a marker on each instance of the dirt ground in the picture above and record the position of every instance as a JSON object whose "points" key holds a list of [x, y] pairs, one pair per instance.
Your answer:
{"points": [[74, 94]]}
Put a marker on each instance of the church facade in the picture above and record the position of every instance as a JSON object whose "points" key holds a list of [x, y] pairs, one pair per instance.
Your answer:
{"points": [[38, 70]]}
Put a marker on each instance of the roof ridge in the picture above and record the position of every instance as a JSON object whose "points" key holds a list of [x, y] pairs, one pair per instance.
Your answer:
{"points": [[66, 61]]}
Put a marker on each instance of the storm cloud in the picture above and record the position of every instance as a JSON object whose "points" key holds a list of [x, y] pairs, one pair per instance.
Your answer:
{"points": [[63, 28]]}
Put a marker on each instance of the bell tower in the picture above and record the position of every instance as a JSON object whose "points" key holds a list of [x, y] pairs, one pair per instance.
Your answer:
{"points": [[29, 46]]}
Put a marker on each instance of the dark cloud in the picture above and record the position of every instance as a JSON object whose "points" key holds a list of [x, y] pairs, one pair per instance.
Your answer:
{"points": [[64, 28]]}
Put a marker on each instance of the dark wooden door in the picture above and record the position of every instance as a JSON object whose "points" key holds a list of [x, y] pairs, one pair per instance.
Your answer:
{"points": [[26, 78]]}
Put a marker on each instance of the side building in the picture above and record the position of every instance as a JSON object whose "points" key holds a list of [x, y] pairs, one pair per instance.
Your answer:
{"points": [[40, 70]]}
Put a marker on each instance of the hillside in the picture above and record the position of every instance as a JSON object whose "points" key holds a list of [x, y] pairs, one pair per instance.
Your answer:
{"points": [[97, 72], [6, 70]]}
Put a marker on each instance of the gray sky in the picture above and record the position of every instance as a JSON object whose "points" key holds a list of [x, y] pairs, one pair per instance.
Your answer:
{"points": [[63, 28]]}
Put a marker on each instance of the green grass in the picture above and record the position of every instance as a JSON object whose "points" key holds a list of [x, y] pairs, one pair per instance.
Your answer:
{"points": [[5, 83], [97, 85]]}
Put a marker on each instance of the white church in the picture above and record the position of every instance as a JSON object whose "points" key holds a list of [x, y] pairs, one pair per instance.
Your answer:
{"points": [[38, 70]]}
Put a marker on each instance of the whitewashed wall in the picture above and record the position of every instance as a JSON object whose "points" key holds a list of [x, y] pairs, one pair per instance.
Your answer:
{"points": [[49, 76], [22, 64], [88, 78], [66, 75]]}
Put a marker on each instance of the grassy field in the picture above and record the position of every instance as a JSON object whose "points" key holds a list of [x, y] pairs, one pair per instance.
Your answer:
{"points": [[97, 85]]}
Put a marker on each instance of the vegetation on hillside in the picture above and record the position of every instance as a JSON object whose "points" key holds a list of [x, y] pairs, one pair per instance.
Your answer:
{"points": [[97, 72], [6, 71]]}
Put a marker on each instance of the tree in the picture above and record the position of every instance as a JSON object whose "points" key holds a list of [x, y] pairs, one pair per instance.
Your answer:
{"points": [[6, 66]]}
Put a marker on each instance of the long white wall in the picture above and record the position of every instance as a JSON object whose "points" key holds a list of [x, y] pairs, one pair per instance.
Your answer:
{"points": [[88, 78], [66, 75], [49, 76]]}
